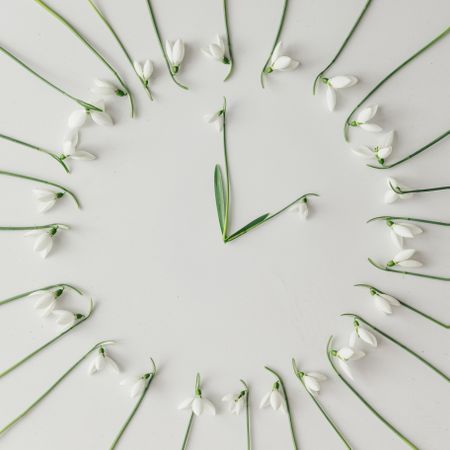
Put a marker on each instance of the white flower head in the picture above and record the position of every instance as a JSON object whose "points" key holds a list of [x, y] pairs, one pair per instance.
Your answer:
{"points": [[70, 148], [215, 119], [66, 319], [280, 62], [104, 88], [45, 300], [136, 384], [391, 195], [363, 117], [46, 198], [217, 51], [78, 117], [198, 404], [346, 354], [301, 208], [360, 332], [101, 361], [383, 302], [335, 83], [175, 54], [403, 259], [274, 398], [312, 381], [236, 402], [401, 230], [44, 238], [144, 71], [379, 152]]}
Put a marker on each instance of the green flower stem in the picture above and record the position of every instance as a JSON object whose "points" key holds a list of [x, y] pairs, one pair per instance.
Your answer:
{"points": [[149, 378], [80, 319], [35, 227], [364, 401], [291, 420], [410, 219], [122, 46], [53, 386], [226, 206], [374, 290], [82, 103], [89, 45], [55, 156], [399, 190], [358, 20], [161, 45], [405, 272], [247, 415], [227, 29], [39, 180], [298, 374], [390, 75], [411, 155], [46, 288], [277, 38], [403, 346], [191, 418]]}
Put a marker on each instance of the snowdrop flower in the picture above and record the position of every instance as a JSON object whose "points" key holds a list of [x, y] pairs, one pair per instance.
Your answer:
{"points": [[391, 196], [105, 88], [44, 238], [274, 399], [175, 54], [235, 402], [334, 83], [217, 51], [216, 119], [78, 117], [346, 354], [379, 152], [363, 117], [66, 319], [144, 71], [70, 148], [301, 208], [198, 404], [102, 360], [279, 62], [362, 333], [312, 380], [45, 300], [384, 302], [400, 231], [136, 384], [403, 259], [46, 198]]}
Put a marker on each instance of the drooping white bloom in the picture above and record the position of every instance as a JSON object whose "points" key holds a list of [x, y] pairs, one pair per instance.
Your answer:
{"points": [[274, 399], [45, 301], [334, 83], [346, 354], [281, 62], [379, 152], [70, 147], [384, 302], [403, 259], [301, 208], [64, 318], [136, 384], [235, 402], [400, 231], [363, 117], [46, 198], [144, 71], [312, 381], [44, 239], [198, 405], [217, 50], [104, 88], [175, 54], [215, 119], [362, 333], [101, 361], [391, 196], [78, 117]]}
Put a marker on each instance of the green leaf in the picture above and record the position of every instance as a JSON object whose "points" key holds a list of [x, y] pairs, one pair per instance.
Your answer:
{"points": [[249, 226], [219, 191]]}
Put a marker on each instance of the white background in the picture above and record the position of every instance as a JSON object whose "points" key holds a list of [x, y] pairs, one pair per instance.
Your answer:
{"points": [[146, 244]]}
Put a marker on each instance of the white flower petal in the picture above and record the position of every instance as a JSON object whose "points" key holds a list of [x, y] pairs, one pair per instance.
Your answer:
{"points": [[342, 81], [331, 98], [102, 118], [402, 230], [363, 151], [178, 52], [367, 336], [276, 400], [77, 118], [352, 338], [357, 354], [410, 263], [186, 403], [42, 242], [388, 140], [112, 364], [371, 127], [138, 388], [396, 239], [82, 155], [209, 118], [415, 230], [384, 152], [392, 300], [367, 113], [311, 383], [44, 194], [169, 51], [390, 196], [282, 63], [216, 51], [317, 375], [208, 407], [404, 255], [148, 69], [345, 368], [44, 299], [197, 406], [265, 401], [138, 69], [46, 206], [382, 305], [276, 53], [345, 353]]}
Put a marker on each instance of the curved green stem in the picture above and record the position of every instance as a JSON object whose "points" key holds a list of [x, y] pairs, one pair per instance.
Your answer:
{"points": [[227, 171], [277, 38], [358, 20], [411, 219], [247, 415], [161, 45], [46, 288], [91, 47], [149, 378], [39, 180], [121, 45], [412, 155], [390, 75], [80, 319], [53, 386], [373, 290], [365, 402], [288, 408], [399, 190], [405, 272], [36, 227], [403, 346], [39, 149], [298, 374], [227, 29]]}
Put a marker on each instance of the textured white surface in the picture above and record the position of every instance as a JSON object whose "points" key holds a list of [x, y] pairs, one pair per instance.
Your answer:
{"points": [[146, 244]]}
